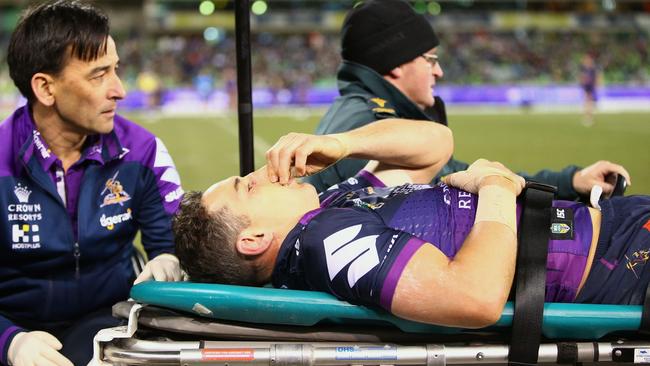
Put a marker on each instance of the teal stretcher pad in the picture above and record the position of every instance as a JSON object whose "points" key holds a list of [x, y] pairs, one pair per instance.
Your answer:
{"points": [[306, 308]]}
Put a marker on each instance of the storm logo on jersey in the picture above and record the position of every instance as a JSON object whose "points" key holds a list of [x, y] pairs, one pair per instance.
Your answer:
{"points": [[116, 192], [343, 248]]}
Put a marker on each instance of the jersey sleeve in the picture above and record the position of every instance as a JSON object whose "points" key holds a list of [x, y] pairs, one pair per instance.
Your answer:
{"points": [[8, 331], [161, 193], [352, 254]]}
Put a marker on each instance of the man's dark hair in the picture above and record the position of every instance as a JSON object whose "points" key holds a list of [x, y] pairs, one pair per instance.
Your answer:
{"points": [[47, 34], [205, 243]]}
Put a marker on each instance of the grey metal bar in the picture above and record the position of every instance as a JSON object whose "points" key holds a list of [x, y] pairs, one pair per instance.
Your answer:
{"points": [[302, 354], [116, 355]]}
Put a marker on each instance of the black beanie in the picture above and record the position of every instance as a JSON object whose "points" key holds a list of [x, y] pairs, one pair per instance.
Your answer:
{"points": [[383, 34]]}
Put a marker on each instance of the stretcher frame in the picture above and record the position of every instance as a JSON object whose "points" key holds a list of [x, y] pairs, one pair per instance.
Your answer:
{"points": [[194, 339]]}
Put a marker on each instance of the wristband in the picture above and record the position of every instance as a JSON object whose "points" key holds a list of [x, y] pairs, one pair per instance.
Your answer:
{"points": [[497, 204]]}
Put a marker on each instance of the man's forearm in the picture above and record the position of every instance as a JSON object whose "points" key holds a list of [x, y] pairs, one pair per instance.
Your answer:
{"points": [[400, 142]]}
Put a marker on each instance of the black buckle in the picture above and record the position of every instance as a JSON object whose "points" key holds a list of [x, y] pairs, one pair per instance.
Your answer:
{"points": [[530, 184]]}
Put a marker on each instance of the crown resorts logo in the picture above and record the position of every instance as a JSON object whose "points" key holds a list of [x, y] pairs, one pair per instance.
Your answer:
{"points": [[23, 210], [22, 193]]}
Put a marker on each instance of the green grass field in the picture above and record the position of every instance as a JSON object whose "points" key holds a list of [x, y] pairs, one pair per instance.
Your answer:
{"points": [[205, 149]]}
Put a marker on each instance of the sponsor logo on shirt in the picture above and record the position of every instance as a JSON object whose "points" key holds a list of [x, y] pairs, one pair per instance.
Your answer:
{"points": [[25, 237], [373, 206], [560, 228], [45, 152], [114, 191], [464, 200], [174, 195], [22, 193], [23, 211], [408, 188], [109, 222], [562, 223]]}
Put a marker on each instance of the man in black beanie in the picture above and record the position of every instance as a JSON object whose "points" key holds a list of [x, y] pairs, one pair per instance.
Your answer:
{"points": [[390, 66]]}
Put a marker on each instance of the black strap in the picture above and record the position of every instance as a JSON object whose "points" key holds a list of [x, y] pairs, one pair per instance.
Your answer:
{"points": [[530, 276]]}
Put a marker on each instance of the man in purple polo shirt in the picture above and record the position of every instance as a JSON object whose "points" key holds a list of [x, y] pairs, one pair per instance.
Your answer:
{"points": [[78, 182]]}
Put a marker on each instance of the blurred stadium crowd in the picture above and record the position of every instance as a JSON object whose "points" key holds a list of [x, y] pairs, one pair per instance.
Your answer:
{"points": [[293, 61], [300, 59], [297, 61]]}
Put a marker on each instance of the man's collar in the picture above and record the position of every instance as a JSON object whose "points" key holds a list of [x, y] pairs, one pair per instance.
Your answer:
{"points": [[100, 148], [353, 75]]}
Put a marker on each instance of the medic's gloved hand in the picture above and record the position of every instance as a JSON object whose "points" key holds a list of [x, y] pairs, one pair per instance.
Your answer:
{"points": [[36, 348], [164, 267], [596, 174]]}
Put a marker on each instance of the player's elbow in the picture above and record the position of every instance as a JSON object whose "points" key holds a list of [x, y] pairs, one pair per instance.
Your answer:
{"points": [[444, 143], [449, 138], [482, 307], [442, 149], [482, 313]]}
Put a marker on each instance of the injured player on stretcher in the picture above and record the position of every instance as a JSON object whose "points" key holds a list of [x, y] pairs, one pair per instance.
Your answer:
{"points": [[442, 254]]}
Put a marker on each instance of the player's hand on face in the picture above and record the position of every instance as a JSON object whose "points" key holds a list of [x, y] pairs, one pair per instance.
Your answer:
{"points": [[164, 267], [36, 348], [594, 174], [478, 174], [299, 154]]}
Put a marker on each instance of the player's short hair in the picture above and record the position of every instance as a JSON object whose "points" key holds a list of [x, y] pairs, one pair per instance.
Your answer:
{"points": [[48, 33], [205, 243]]}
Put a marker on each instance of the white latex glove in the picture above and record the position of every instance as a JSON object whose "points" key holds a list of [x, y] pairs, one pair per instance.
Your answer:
{"points": [[164, 267], [36, 348]]}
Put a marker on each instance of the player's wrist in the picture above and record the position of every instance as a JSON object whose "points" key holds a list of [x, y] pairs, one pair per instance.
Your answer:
{"points": [[344, 145], [497, 203], [502, 181]]}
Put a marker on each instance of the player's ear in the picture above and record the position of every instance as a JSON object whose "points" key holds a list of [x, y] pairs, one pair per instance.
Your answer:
{"points": [[252, 243], [43, 88]]}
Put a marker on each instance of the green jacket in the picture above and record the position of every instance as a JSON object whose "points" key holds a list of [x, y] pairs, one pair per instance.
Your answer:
{"points": [[367, 97]]}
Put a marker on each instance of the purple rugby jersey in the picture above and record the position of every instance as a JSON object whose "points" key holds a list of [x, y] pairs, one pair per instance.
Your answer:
{"points": [[358, 242], [66, 237], [69, 183]]}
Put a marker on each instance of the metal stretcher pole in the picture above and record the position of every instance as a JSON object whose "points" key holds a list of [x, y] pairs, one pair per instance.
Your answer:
{"points": [[244, 86], [242, 353]]}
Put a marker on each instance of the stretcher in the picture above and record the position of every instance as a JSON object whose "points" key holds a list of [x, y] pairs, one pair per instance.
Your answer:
{"points": [[208, 324]]}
